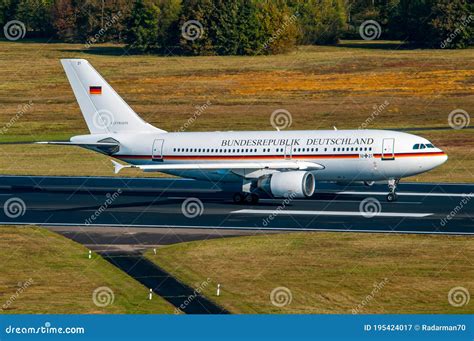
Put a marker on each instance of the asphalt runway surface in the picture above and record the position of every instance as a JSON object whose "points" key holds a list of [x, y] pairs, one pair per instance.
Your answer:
{"points": [[178, 203], [120, 218]]}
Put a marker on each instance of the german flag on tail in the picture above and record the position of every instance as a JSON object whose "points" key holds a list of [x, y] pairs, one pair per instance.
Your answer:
{"points": [[95, 90]]}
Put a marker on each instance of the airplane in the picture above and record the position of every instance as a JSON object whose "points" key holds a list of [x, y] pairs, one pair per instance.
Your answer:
{"points": [[280, 163]]}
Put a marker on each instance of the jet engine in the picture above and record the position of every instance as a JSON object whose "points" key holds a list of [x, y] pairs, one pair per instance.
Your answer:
{"points": [[300, 184]]}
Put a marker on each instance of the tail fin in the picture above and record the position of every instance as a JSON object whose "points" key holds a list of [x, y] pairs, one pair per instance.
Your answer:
{"points": [[103, 109]]}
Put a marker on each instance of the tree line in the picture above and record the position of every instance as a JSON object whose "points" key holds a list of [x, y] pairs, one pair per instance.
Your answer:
{"points": [[239, 27]]}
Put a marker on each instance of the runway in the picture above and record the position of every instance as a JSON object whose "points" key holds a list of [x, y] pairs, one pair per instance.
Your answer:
{"points": [[178, 203]]}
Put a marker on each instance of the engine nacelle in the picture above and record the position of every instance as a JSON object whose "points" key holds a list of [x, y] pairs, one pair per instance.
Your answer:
{"points": [[300, 184]]}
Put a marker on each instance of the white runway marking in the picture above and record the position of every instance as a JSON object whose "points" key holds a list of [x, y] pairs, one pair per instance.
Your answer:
{"points": [[414, 194], [332, 213], [335, 201]]}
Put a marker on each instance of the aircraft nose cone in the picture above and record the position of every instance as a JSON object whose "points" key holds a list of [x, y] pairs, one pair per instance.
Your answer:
{"points": [[443, 158]]}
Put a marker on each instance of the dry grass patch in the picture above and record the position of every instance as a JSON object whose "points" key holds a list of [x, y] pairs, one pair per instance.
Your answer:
{"points": [[45, 273], [328, 272]]}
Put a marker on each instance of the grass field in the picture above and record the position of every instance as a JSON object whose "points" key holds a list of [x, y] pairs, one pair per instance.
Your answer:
{"points": [[43, 272], [328, 272], [320, 86]]}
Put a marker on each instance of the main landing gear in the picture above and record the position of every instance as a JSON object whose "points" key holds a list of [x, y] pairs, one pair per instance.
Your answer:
{"points": [[392, 187], [245, 198]]}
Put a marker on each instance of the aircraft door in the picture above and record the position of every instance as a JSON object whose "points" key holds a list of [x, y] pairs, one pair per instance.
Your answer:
{"points": [[388, 152], [157, 151], [288, 151]]}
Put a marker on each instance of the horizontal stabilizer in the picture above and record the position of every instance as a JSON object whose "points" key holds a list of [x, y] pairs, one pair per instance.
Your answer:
{"points": [[80, 144]]}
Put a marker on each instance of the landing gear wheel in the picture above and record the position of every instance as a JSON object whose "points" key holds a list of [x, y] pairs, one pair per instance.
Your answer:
{"points": [[238, 198], [392, 197], [245, 198], [392, 186], [251, 198]]}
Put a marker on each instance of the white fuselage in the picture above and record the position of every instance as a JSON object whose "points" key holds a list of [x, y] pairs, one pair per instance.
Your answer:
{"points": [[347, 155]]}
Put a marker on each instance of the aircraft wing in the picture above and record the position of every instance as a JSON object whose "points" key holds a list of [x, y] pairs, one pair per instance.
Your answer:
{"points": [[280, 165]]}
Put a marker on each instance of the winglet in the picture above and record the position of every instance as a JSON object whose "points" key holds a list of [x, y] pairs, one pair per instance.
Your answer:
{"points": [[118, 166]]}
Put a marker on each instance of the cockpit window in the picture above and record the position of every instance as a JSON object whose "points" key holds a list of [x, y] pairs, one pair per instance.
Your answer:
{"points": [[423, 146]]}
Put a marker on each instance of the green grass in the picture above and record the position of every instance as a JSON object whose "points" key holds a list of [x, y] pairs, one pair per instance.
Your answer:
{"points": [[321, 86], [328, 272], [45, 273]]}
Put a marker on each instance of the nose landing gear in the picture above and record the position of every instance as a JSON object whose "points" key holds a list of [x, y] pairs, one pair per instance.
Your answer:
{"points": [[392, 187]]}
